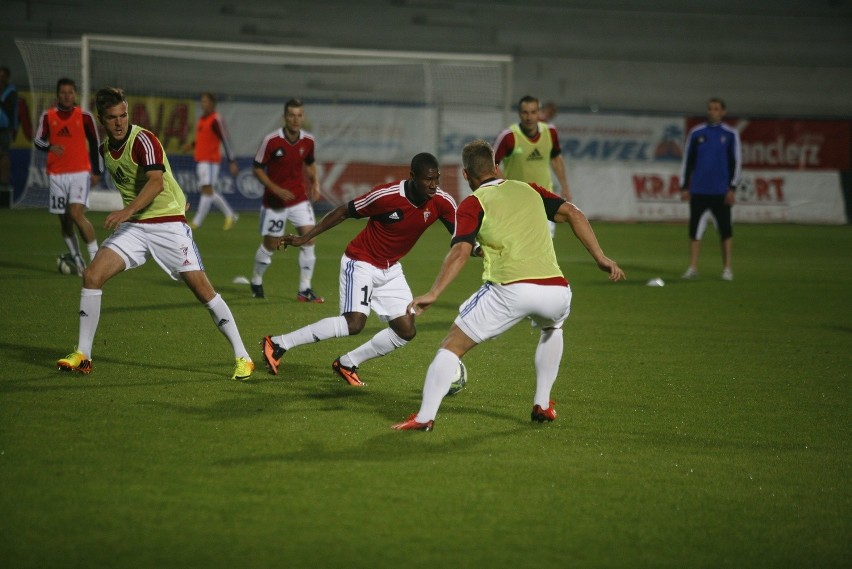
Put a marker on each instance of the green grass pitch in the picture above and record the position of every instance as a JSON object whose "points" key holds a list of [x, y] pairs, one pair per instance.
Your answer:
{"points": [[701, 424]]}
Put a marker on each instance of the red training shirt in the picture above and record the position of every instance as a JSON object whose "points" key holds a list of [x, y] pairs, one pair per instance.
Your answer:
{"points": [[395, 222], [284, 162]]}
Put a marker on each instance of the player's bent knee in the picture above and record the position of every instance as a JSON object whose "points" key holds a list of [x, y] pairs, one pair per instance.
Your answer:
{"points": [[355, 322], [407, 334]]}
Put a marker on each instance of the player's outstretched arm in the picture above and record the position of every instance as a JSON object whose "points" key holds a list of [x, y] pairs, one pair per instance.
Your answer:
{"points": [[331, 219], [571, 214], [451, 267]]}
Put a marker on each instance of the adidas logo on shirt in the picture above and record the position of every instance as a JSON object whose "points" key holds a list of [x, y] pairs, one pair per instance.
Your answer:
{"points": [[279, 153], [535, 155], [392, 217], [64, 132], [119, 176]]}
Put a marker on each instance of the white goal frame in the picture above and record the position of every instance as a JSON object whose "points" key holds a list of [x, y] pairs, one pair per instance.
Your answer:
{"points": [[286, 54], [432, 101]]}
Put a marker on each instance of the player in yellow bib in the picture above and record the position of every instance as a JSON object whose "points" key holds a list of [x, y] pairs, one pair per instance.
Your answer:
{"points": [[508, 219], [529, 149], [151, 224], [129, 165]]}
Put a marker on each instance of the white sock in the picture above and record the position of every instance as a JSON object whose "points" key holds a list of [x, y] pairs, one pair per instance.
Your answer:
{"points": [[220, 202], [227, 326], [307, 260], [333, 327], [90, 315], [548, 355], [439, 376], [381, 344], [262, 260], [204, 203], [92, 247]]}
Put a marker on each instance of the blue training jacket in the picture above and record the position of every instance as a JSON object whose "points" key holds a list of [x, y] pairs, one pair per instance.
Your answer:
{"points": [[712, 160]]}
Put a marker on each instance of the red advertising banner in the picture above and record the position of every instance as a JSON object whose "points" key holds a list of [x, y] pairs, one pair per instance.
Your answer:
{"points": [[790, 144]]}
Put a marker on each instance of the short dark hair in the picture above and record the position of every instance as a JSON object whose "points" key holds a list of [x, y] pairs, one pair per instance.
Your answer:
{"points": [[478, 158], [293, 103], [108, 97], [6, 70], [422, 162], [209, 95], [65, 81], [717, 100], [528, 99]]}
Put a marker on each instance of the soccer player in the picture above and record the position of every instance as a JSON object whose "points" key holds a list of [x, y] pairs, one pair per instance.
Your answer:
{"points": [[283, 159], [371, 276], [710, 173], [521, 278], [528, 149], [151, 223], [70, 137], [210, 135]]}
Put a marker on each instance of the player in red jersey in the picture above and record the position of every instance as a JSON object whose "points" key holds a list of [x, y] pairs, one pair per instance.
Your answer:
{"points": [[371, 276], [281, 163], [69, 136]]}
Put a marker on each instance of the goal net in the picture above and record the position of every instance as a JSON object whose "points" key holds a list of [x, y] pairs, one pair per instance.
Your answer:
{"points": [[370, 111]]}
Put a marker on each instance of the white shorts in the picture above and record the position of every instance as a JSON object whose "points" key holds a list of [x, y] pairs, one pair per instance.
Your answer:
{"points": [[364, 287], [67, 189], [207, 172], [495, 308], [170, 244], [273, 221]]}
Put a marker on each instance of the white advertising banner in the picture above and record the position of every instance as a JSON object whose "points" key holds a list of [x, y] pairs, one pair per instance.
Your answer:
{"points": [[344, 133], [615, 139], [619, 167], [641, 193]]}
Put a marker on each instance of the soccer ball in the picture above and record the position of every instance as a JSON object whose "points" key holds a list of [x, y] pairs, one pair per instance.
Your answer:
{"points": [[65, 264], [459, 381]]}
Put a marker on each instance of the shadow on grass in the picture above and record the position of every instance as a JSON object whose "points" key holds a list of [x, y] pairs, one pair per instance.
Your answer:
{"points": [[390, 446], [190, 302], [61, 381], [34, 355], [34, 267]]}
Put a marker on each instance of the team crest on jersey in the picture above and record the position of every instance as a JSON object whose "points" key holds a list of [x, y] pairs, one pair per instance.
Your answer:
{"points": [[426, 215]]}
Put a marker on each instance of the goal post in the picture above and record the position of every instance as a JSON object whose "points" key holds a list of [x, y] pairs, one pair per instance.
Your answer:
{"points": [[369, 110]]}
